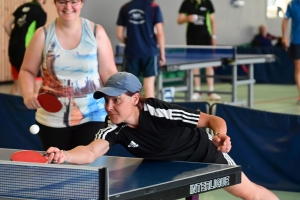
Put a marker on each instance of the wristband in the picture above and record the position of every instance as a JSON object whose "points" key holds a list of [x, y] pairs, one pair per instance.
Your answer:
{"points": [[67, 161], [214, 36]]}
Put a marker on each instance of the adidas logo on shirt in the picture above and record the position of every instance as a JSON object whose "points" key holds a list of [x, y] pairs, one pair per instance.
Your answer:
{"points": [[133, 144]]}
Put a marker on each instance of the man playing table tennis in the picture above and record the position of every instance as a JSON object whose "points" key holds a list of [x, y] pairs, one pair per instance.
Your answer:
{"points": [[154, 129], [201, 29]]}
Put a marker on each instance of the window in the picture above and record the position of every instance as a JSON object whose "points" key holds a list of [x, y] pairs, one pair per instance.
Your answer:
{"points": [[276, 8]]}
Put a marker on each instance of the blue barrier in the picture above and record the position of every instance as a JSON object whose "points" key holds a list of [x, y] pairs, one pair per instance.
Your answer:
{"points": [[16, 120], [265, 144]]}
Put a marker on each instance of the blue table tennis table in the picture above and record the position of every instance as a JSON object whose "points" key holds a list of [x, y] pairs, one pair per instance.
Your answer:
{"points": [[187, 58], [112, 178]]}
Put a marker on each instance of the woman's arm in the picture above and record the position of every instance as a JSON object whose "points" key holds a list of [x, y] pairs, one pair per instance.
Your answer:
{"points": [[213, 29], [219, 128], [284, 40], [30, 68], [217, 124], [160, 36], [80, 154], [8, 23], [107, 66], [120, 34]]}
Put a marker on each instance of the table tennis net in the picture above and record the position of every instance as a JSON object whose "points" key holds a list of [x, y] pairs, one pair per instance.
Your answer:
{"points": [[191, 51], [47, 182]]}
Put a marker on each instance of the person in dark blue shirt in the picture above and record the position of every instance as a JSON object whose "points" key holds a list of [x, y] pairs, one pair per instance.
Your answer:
{"points": [[293, 47], [142, 22], [263, 38]]}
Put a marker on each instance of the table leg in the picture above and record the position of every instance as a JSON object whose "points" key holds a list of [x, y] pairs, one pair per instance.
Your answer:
{"points": [[159, 86], [251, 86], [234, 83], [194, 197]]}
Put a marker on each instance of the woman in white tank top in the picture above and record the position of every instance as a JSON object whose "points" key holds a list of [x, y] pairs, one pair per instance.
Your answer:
{"points": [[75, 58]]}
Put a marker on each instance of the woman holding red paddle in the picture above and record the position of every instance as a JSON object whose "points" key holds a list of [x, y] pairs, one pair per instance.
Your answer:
{"points": [[76, 58]]}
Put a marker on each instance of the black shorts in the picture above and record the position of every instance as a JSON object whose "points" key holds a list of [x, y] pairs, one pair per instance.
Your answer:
{"points": [[215, 156], [294, 51], [200, 40], [16, 52], [16, 61], [207, 152], [142, 66]]}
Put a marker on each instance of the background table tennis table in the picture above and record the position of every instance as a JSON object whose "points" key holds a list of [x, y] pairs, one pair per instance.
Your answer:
{"points": [[187, 58], [112, 178]]}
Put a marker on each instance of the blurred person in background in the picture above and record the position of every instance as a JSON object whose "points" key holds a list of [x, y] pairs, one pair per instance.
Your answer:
{"points": [[20, 27]]}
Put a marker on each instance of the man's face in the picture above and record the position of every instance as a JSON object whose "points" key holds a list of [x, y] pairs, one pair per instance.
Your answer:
{"points": [[263, 30]]}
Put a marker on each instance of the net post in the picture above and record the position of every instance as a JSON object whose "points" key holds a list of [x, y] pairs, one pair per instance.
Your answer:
{"points": [[103, 183]]}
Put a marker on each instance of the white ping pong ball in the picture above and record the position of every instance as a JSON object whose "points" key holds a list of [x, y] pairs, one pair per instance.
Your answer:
{"points": [[34, 129]]}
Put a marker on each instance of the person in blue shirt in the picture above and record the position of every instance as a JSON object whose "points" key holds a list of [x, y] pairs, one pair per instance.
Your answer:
{"points": [[263, 38], [143, 23], [293, 48]]}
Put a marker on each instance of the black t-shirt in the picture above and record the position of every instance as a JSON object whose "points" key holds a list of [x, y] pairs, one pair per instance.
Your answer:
{"points": [[165, 132], [28, 17], [202, 10]]}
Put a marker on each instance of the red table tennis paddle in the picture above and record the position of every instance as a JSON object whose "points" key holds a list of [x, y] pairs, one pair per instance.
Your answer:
{"points": [[29, 156], [49, 102]]}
